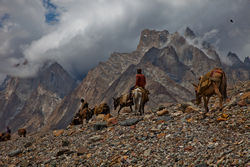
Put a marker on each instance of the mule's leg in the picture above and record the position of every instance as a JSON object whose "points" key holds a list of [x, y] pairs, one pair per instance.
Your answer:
{"points": [[140, 110], [217, 91], [140, 104], [135, 105], [119, 110], [137, 110], [205, 101], [143, 108], [131, 108]]}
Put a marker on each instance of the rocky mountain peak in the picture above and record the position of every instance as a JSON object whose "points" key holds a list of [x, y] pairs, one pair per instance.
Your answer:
{"points": [[52, 78], [165, 56], [4, 84], [236, 62], [206, 45], [189, 33], [177, 40], [152, 38], [166, 59], [24, 101], [247, 62]]}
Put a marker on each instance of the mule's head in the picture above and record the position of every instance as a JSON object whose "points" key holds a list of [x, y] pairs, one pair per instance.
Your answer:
{"points": [[116, 102], [197, 95]]}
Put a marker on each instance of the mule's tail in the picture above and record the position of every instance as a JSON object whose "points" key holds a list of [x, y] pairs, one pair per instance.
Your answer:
{"points": [[223, 86]]}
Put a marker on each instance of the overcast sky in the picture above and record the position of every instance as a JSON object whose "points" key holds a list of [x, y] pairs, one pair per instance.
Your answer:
{"points": [[80, 33]]}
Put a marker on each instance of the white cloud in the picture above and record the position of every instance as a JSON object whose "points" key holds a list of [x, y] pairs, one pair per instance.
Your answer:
{"points": [[246, 50], [25, 24]]}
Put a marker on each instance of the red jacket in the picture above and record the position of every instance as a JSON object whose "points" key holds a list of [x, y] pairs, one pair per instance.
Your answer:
{"points": [[140, 80]]}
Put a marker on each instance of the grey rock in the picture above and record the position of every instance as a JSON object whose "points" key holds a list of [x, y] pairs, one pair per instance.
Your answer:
{"points": [[161, 108], [82, 150], [65, 143], [25, 163], [130, 122], [147, 152], [201, 165], [211, 146], [14, 153], [61, 152], [100, 125], [53, 164], [165, 118], [95, 138], [28, 144]]}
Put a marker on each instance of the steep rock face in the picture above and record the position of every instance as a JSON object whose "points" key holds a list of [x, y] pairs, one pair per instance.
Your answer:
{"points": [[189, 33], [213, 55], [152, 38], [53, 78], [162, 88], [28, 102], [236, 62], [196, 61], [192, 56], [238, 70], [236, 74], [37, 109], [167, 60], [247, 62], [100, 78]]}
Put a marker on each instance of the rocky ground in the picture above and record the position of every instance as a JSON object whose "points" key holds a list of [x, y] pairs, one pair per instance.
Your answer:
{"points": [[171, 135]]}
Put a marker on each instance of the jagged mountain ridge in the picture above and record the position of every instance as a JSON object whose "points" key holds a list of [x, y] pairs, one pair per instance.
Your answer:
{"points": [[29, 102], [169, 61], [238, 70], [236, 62]]}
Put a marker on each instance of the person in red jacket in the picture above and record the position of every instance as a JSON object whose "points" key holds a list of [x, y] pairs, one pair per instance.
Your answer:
{"points": [[140, 79], [140, 82]]}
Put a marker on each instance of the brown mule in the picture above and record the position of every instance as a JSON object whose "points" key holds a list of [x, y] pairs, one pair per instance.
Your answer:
{"points": [[22, 132], [123, 101], [214, 82]]}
